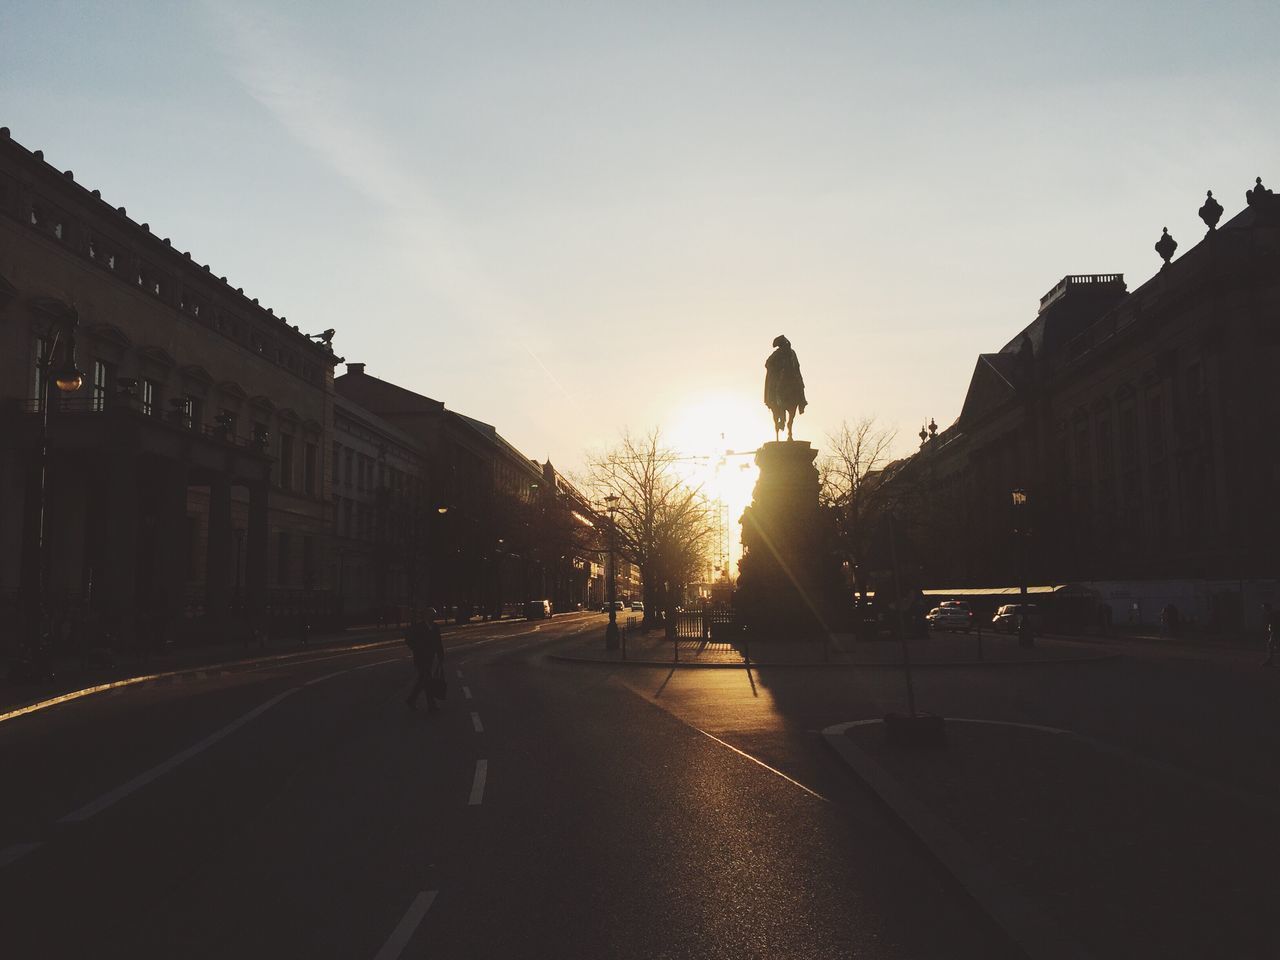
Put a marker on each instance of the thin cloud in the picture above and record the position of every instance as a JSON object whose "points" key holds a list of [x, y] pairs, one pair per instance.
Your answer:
{"points": [[310, 100]]}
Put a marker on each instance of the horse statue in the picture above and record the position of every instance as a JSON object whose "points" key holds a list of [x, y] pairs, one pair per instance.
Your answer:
{"points": [[783, 386]]}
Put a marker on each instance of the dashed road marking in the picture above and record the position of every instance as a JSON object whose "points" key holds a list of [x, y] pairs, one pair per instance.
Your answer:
{"points": [[459, 674], [475, 722], [477, 785], [466, 692], [404, 930], [140, 781]]}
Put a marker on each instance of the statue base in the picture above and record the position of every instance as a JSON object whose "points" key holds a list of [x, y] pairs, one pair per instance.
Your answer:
{"points": [[789, 578]]}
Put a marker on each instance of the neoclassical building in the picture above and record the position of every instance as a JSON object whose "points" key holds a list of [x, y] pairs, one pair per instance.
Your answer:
{"points": [[189, 475], [1134, 424]]}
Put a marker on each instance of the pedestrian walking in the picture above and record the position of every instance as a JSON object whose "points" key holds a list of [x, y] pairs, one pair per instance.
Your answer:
{"points": [[1272, 620], [424, 640]]}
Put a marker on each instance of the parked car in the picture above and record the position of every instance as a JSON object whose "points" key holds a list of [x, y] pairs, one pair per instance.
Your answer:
{"points": [[637, 606], [1006, 618], [950, 618], [619, 605], [537, 609]]}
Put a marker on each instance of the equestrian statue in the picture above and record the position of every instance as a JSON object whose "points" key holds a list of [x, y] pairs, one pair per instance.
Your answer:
{"points": [[783, 386]]}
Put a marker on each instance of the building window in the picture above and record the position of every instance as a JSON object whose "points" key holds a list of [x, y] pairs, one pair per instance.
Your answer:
{"points": [[227, 423], [350, 458], [149, 397], [309, 469], [99, 395], [286, 462], [93, 249], [195, 413]]}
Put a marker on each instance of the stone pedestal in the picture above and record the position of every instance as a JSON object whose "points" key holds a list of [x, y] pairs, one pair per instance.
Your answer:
{"points": [[789, 581]]}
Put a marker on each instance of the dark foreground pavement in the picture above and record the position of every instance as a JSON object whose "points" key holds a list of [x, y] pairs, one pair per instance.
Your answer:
{"points": [[1086, 849], [299, 809]]}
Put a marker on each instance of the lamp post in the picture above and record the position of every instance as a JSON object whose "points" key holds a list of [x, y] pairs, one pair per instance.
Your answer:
{"points": [[1021, 530], [68, 379], [611, 631]]}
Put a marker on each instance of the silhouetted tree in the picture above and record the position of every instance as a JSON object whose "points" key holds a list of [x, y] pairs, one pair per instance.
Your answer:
{"points": [[665, 526], [849, 476]]}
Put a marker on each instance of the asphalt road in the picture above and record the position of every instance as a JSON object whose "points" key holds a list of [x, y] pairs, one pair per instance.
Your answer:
{"points": [[549, 810]]}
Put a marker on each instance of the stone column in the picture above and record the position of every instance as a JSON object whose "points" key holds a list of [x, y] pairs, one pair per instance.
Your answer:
{"points": [[174, 547], [256, 549], [116, 564], [218, 550]]}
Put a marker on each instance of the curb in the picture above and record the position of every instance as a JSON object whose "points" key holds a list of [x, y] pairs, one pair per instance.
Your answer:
{"points": [[826, 664], [1037, 935], [220, 668]]}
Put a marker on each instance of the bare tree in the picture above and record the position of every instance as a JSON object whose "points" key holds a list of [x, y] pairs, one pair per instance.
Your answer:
{"points": [[663, 525], [850, 476]]}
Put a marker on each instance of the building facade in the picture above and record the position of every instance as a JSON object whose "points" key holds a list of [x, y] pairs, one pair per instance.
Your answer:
{"points": [[1129, 423], [381, 517], [187, 478]]}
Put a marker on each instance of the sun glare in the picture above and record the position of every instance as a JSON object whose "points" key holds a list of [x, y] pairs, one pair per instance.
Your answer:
{"points": [[716, 435]]}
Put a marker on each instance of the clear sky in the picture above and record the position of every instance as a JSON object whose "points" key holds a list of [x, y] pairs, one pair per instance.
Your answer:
{"points": [[567, 218]]}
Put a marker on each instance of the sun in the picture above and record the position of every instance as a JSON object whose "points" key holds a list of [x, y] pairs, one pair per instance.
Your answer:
{"points": [[716, 433]]}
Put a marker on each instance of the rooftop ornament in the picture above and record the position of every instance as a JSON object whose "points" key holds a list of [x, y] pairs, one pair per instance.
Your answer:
{"points": [[1257, 193], [1165, 246], [1211, 212]]}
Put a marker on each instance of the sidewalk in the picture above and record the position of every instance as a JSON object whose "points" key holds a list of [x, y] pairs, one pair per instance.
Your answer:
{"points": [[953, 649], [1080, 849]]}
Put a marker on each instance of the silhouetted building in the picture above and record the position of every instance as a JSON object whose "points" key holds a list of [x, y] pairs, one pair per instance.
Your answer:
{"points": [[485, 552], [187, 476], [1132, 421], [382, 517]]}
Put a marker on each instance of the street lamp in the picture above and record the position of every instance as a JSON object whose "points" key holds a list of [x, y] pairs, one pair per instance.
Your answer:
{"points": [[66, 376], [611, 631], [1022, 530]]}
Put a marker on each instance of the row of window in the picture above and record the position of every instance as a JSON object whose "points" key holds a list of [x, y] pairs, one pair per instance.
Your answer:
{"points": [[52, 222], [188, 411]]}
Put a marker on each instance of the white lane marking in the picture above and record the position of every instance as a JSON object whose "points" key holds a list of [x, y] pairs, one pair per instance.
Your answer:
{"points": [[140, 781], [265, 663], [327, 676], [477, 785], [378, 663], [459, 674], [475, 722], [466, 692], [399, 938], [16, 852], [812, 793]]}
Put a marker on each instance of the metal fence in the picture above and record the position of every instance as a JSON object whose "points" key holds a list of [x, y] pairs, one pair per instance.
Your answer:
{"points": [[711, 623]]}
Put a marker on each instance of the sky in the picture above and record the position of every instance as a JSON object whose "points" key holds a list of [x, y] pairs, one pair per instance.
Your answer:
{"points": [[568, 219]]}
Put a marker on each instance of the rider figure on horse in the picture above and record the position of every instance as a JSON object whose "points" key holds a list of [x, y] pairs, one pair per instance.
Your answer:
{"points": [[783, 386]]}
